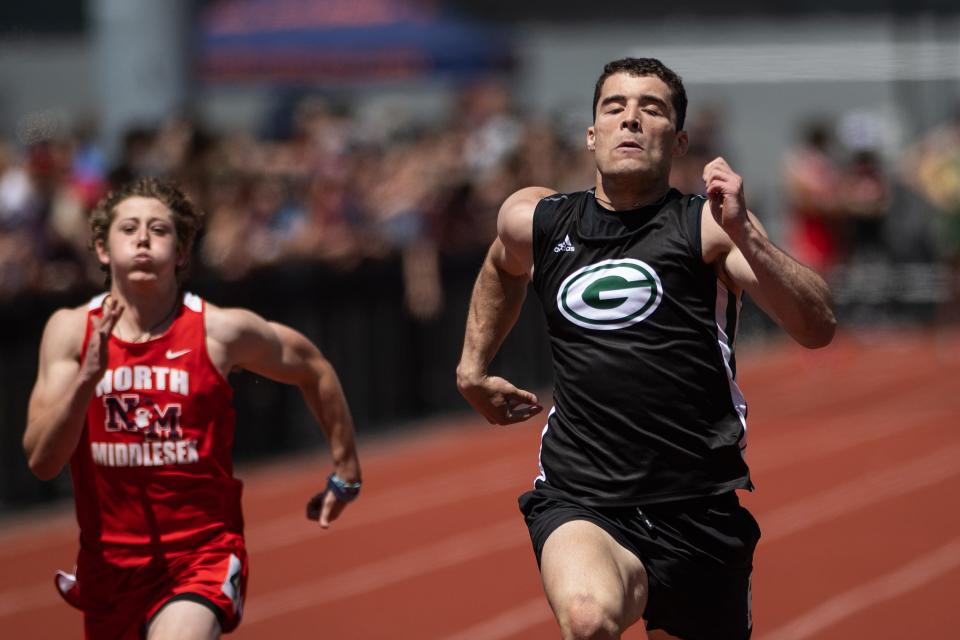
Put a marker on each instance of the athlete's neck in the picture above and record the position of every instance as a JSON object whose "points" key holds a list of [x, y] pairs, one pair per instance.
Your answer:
{"points": [[627, 193], [146, 312]]}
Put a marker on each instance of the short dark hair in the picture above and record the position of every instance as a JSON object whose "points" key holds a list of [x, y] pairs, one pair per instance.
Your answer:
{"points": [[646, 67], [187, 217]]}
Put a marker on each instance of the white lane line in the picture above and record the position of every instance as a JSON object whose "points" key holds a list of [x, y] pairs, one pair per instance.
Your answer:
{"points": [[508, 623], [29, 598], [866, 490], [426, 494], [427, 558], [911, 576], [836, 434], [430, 440]]}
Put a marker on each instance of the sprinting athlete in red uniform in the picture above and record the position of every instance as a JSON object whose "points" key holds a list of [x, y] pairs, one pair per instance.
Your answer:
{"points": [[132, 391]]}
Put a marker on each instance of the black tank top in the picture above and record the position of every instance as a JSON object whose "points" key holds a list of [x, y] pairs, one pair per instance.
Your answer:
{"points": [[646, 405]]}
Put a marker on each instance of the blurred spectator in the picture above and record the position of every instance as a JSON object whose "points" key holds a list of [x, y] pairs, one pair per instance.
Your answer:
{"points": [[865, 191], [19, 221], [136, 157], [812, 183], [89, 164], [932, 168], [865, 194], [704, 131]]}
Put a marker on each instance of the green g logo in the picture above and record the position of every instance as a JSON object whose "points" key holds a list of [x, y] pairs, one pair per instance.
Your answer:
{"points": [[611, 294]]}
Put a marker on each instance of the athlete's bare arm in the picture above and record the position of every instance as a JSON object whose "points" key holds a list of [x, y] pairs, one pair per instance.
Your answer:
{"points": [[237, 338], [64, 386], [735, 242], [497, 298]]}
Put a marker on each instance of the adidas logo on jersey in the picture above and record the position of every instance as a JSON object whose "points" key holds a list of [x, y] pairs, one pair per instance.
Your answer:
{"points": [[566, 245]]}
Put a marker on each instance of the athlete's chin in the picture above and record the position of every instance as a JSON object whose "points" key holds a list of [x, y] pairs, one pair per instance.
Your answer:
{"points": [[629, 169], [142, 277]]}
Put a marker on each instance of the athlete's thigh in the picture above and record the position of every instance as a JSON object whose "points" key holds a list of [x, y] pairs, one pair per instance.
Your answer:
{"points": [[184, 620], [580, 560]]}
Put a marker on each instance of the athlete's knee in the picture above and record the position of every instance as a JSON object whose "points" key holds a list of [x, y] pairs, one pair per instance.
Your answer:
{"points": [[184, 620], [583, 617]]}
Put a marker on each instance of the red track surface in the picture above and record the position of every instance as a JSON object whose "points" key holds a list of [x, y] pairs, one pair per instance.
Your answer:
{"points": [[855, 452]]}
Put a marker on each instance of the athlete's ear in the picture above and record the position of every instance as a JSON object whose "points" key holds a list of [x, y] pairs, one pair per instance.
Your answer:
{"points": [[183, 254], [682, 143], [591, 139], [103, 256]]}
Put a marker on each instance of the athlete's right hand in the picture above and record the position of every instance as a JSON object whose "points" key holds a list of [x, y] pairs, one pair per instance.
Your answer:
{"points": [[497, 400], [95, 361]]}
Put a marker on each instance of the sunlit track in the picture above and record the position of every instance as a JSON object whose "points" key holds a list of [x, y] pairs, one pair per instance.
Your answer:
{"points": [[46, 531], [367, 577], [528, 614], [436, 547], [870, 594], [836, 434], [395, 503], [866, 490], [36, 596]]}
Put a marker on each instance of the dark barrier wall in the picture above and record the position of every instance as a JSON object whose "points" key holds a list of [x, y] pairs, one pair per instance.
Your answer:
{"points": [[393, 368]]}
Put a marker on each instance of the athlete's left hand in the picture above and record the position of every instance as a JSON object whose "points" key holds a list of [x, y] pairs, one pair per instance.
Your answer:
{"points": [[725, 192], [328, 506]]}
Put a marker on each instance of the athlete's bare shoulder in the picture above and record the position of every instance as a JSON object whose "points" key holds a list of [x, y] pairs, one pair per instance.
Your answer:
{"points": [[64, 332], [66, 318], [230, 324], [230, 332], [516, 213], [515, 228], [527, 197]]}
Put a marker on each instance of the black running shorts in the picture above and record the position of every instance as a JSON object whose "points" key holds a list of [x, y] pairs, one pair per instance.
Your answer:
{"points": [[698, 554]]}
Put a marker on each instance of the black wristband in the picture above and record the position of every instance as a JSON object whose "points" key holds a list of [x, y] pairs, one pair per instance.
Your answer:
{"points": [[342, 490]]}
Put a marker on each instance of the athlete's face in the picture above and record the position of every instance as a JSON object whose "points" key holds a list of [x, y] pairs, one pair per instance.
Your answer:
{"points": [[634, 131], [141, 243]]}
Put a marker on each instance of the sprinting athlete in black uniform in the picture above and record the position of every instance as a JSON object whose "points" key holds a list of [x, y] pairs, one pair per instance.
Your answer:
{"points": [[634, 512]]}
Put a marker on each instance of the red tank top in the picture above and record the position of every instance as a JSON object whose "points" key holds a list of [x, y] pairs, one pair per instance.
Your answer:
{"points": [[153, 473]]}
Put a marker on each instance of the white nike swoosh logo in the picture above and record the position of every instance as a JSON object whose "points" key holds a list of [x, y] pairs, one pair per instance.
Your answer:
{"points": [[176, 354]]}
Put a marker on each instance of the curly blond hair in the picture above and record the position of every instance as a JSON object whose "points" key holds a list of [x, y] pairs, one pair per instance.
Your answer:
{"points": [[187, 217]]}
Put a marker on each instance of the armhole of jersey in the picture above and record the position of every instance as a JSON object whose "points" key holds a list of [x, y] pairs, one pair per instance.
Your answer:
{"points": [[95, 303], [693, 224], [87, 330], [539, 236], [203, 342]]}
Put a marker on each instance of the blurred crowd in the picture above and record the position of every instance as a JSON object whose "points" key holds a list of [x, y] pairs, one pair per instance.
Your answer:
{"points": [[341, 187]]}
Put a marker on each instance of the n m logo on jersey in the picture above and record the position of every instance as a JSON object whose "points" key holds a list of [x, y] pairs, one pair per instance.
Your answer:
{"points": [[611, 294], [126, 413]]}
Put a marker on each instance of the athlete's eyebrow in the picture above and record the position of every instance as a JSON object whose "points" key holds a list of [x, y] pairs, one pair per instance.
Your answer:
{"points": [[614, 98], [645, 98], [149, 222]]}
